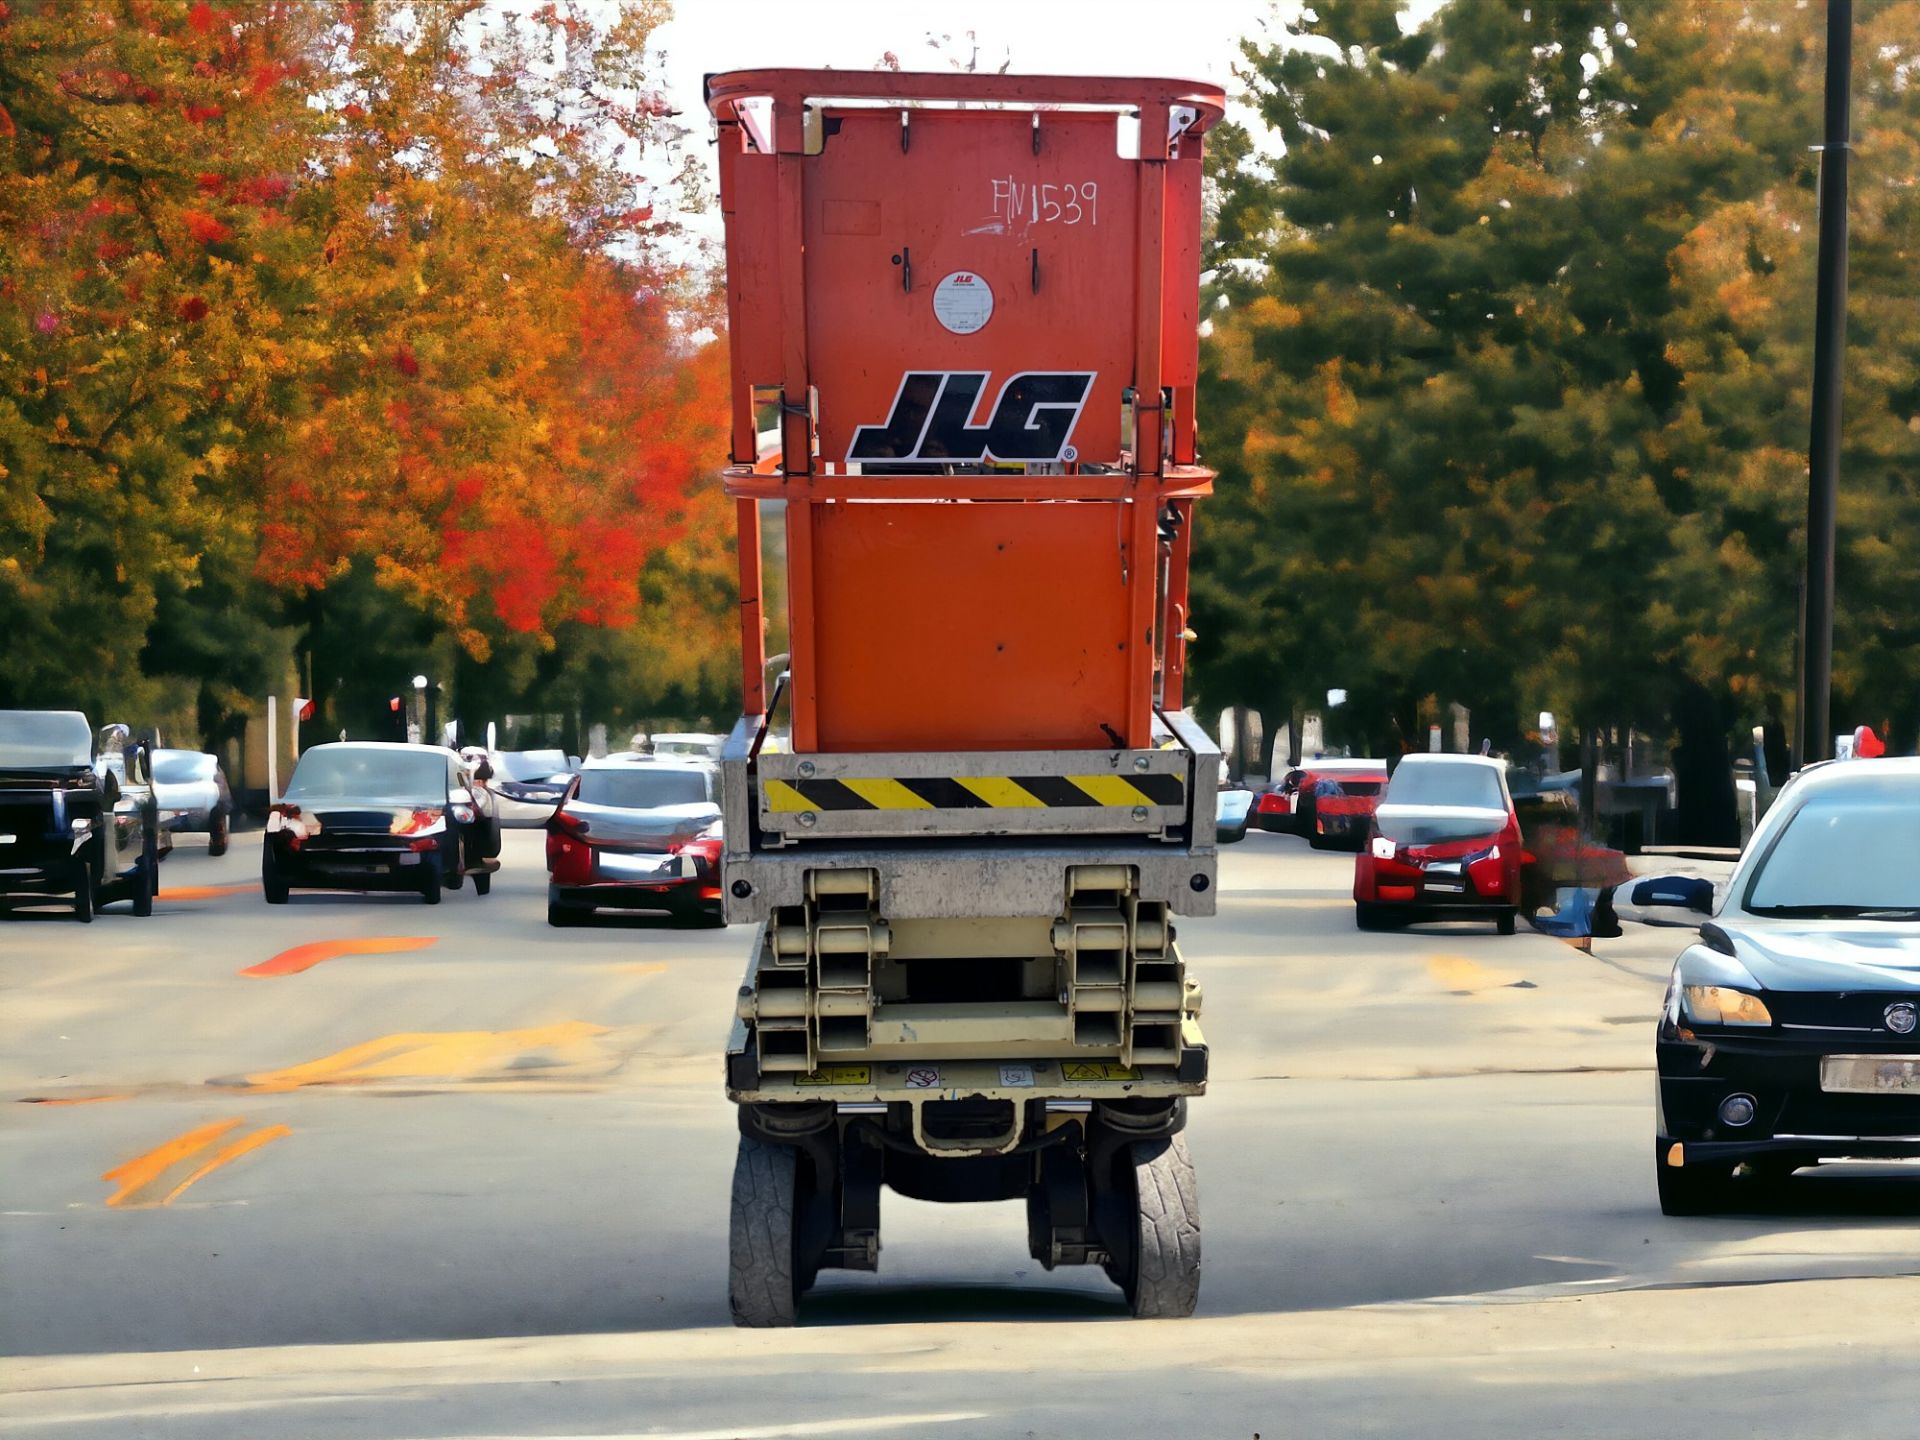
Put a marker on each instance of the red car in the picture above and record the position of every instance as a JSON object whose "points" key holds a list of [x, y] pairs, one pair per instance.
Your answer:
{"points": [[1444, 844], [637, 834], [1328, 801]]}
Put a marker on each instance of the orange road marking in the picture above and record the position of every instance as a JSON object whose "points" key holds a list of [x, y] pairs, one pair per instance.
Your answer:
{"points": [[204, 892], [141, 1171], [226, 1155], [305, 957], [424, 1055]]}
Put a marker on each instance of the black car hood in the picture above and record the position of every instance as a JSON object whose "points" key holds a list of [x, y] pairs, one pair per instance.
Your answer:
{"points": [[1828, 955]]}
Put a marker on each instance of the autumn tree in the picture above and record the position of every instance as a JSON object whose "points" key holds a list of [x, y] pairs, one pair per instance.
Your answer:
{"points": [[300, 298]]}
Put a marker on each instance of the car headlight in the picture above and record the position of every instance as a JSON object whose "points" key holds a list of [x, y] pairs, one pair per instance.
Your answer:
{"points": [[1723, 1005]]}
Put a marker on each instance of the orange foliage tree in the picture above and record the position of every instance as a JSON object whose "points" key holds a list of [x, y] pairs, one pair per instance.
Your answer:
{"points": [[294, 290]]}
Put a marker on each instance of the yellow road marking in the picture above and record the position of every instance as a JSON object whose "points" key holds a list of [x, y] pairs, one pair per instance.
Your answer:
{"points": [[645, 967], [1000, 792], [885, 794], [1457, 972], [1109, 789], [143, 1170], [424, 1055], [226, 1155]]}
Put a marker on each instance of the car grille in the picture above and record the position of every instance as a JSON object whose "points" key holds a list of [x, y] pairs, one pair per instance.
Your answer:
{"points": [[1857, 1012]]}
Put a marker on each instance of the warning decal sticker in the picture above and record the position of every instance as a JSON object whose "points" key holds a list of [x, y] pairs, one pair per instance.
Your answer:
{"points": [[837, 1075], [1097, 1070]]}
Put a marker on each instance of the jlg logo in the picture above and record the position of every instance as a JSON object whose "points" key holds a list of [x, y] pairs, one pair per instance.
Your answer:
{"points": [[1033, 418]]}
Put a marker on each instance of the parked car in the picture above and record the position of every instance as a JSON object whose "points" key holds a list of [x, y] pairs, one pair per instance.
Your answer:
{"points": [[637, 834], [1352, 788], [1443, 844], [690, 745], [376, 815], [70, 822], [528, 785], [1788, 1036], [191, 791]]}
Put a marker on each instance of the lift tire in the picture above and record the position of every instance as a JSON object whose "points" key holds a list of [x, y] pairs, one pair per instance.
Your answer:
{"points": [[1161, 1279], [431, 882], [762, 1287], [219, 833], [482, 882], [1508, 922]]}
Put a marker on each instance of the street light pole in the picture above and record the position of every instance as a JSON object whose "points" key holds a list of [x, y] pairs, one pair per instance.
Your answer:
{"points": [[1829, 349]]}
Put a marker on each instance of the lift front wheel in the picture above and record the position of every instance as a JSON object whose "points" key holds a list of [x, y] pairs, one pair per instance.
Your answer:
{"points": [[762, 1286], [1160, 1271]]}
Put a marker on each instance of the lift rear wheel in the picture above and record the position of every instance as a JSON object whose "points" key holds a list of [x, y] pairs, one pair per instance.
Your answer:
{"points": [[1159, 1270], [763, 1284]]}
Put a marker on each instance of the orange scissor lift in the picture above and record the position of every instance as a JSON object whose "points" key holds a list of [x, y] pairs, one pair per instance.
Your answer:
{"points": [[963, 318]]}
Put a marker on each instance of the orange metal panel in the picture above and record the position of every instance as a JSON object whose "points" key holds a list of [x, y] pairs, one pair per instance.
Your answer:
{"points": [[970, 627], [953, 301]]}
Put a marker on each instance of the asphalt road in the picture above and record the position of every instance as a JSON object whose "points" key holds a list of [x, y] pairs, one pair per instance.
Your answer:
{"points": [[470, 1178]]}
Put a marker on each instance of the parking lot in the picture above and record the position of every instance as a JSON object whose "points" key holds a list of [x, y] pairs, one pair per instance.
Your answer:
{"points": [[492, 1158]]}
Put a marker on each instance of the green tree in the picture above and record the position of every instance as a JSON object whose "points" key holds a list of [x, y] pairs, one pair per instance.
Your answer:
{"points": [[1459, 383]]}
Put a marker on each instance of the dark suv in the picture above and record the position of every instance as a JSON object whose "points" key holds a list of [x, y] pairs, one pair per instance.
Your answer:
{"points": [[71, 823]]}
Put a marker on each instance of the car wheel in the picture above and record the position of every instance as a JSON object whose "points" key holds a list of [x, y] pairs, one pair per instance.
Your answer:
{"points": [[455, 878], [561, 917], [1369, 915], [276, 889], [219, 832], [83, 894], [1508, 922], [482, 883], [1693, 1189], [146, 881], [430, 881]]}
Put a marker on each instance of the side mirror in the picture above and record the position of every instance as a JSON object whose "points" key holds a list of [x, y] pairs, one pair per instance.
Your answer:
{"points": [[1684, 892]]}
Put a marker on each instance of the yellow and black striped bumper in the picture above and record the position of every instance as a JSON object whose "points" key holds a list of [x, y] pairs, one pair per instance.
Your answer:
{"points": [[972, 792]]}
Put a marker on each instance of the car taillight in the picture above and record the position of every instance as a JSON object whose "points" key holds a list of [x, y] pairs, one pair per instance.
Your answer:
{"points": [[569, 857], [705, 848], [278, 817], [1272, 804]]}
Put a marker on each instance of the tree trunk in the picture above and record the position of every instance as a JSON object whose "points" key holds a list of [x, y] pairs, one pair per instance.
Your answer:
{"points": [[1705, 808]]}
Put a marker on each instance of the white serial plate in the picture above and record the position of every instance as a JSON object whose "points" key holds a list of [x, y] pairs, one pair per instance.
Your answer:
{"points": [[1870, 1074]]}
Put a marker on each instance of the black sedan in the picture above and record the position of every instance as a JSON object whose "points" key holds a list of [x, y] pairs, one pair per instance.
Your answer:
{"points": [[1789, 1032], [369, 815]]}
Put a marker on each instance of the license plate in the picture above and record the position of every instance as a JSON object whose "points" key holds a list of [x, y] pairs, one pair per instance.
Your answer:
{"points": [[638, 867], [1870, 1074], [335, 868]]}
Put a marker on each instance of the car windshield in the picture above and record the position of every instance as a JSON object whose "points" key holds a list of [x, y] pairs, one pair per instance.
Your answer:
{"points": [[181, 767], [1470, 787], [1849, 849], [643, 787], [532, 764], [352, 773], [38, 739]]}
